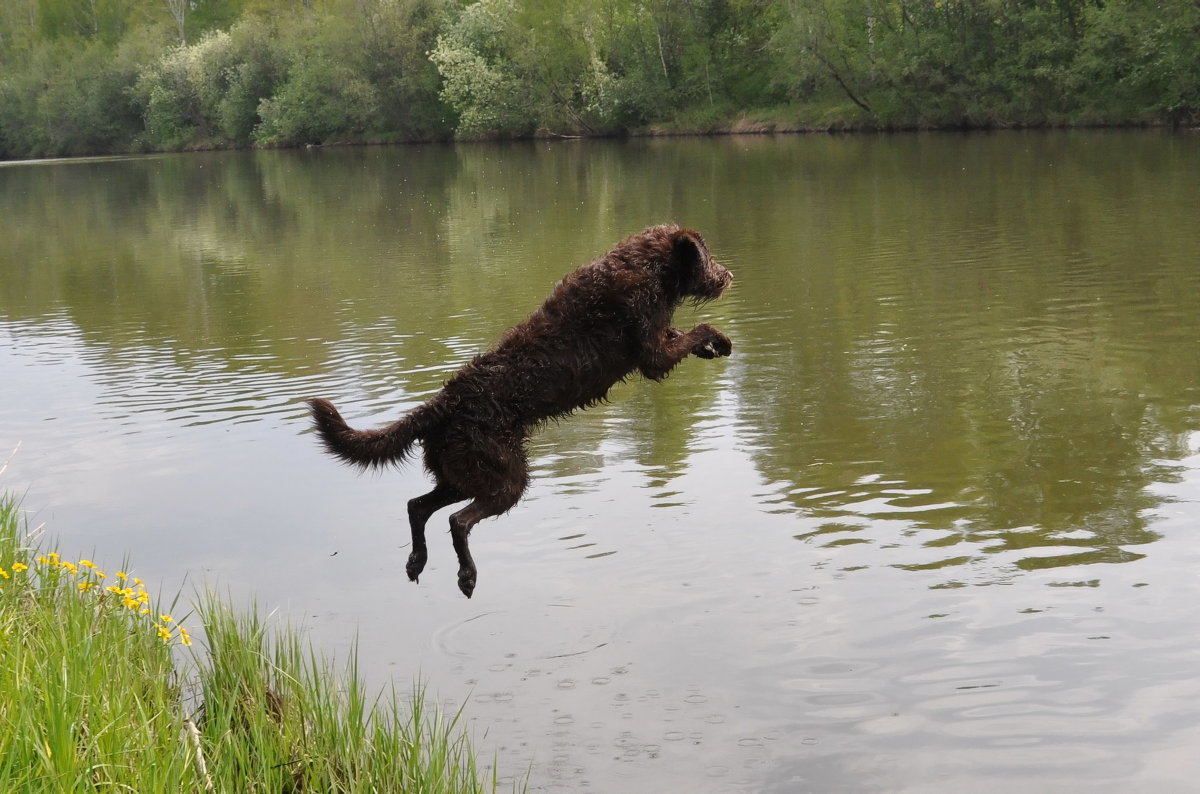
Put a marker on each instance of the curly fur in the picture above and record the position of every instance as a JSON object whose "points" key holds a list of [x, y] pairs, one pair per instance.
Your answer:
{"points": [[602, 323]]}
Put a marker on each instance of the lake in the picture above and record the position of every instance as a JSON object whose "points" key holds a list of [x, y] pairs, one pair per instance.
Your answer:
{"points": [[931, 528]]}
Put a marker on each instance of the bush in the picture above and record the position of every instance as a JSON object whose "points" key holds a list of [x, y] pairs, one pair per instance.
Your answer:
{"points": [[480, 81], [209, 92], [320, 100], [62, 99]]}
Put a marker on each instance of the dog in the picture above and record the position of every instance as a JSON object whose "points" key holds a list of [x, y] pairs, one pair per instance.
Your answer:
{"points": [[602, 323]]}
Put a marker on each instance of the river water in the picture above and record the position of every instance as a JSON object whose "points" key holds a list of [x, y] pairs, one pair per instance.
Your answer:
{"points": [[931, 528]]}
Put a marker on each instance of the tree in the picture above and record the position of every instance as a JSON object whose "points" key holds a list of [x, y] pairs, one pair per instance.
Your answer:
{"points": [[178, 10]]}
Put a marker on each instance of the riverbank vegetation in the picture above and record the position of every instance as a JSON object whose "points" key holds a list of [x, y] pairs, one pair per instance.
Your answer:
{"points": [[100, 691], [101, 76]]}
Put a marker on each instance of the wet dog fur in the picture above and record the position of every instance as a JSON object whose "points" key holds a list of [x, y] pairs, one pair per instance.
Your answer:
{"points": [[602, 323]]}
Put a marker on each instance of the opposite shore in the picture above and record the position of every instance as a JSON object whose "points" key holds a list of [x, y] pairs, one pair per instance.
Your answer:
{"points": [[238, 74]]}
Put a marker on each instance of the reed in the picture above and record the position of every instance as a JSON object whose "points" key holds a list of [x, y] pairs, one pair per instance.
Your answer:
{"points": [[102, 687]]}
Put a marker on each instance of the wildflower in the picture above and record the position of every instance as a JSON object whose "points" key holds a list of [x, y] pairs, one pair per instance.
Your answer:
{"points": [[184, 637], [3, 573], [70, 567], [101, 574], [122, 575], [112, 588], [86, 564], [164, 633], [43, 559], [137, 581], [19, 566], [165, 618], [85, 586]]}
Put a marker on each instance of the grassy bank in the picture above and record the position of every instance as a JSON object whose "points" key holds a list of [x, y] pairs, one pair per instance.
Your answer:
{"points": [[102, 688]]}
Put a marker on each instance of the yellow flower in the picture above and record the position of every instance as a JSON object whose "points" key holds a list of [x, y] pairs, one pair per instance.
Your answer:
{"points": [[87, 564], [122, 575], [145, 611], [137, 581], [85, 586], [43, 559], [19, 566], [101, 574], [71, 567], [3, 573], [112, 589], [165, 618], [184, 637]]}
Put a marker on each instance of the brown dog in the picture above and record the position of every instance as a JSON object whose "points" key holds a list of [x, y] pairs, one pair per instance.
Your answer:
{"points": [[601, 323]]}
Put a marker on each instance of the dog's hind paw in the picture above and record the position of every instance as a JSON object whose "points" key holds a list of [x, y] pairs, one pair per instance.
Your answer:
{"points": [[466, 582], [416, 564]]}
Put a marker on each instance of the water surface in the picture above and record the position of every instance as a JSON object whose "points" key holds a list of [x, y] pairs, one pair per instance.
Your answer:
{"points": [[930, 528]]}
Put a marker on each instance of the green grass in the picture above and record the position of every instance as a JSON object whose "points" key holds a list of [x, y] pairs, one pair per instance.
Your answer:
{"points": [[101, 689]]}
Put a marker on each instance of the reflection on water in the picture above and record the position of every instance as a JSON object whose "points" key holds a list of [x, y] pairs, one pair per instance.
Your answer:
{"points": [[871, 551]]}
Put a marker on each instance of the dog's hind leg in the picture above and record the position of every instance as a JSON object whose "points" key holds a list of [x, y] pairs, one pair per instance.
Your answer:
{"points": [[488, 464], [460, 527], [419, 511]]}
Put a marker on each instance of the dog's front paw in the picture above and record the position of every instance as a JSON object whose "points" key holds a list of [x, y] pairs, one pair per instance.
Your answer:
{"points": [[714, 344], [721, 345]]}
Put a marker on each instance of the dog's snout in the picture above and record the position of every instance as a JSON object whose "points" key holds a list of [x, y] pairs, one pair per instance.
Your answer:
{"points": [[726, 278]]}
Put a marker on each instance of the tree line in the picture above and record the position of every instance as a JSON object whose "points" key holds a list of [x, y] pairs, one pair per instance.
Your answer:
{"points": [[100, 76]]}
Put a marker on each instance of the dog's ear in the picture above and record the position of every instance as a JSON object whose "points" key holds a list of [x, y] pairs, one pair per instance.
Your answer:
{"points": [[689, 255]]}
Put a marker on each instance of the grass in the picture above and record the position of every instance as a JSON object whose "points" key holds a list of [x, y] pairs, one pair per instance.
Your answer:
{"points": [[102, 689]]}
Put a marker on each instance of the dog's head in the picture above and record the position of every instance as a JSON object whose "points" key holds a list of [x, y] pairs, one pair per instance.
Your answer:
{"points": [[699, 275]]}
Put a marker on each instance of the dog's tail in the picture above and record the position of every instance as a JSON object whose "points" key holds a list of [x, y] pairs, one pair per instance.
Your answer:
{"points": [[369, 449]]}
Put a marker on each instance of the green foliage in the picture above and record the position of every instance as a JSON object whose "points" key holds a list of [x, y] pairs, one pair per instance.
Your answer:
{"points": [[106, 20], [311, 79], [1141, 61], [86, 76], [63, 98], [476, 59], [391, 45], [984, 62], [320, 100], [210, 92]]}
